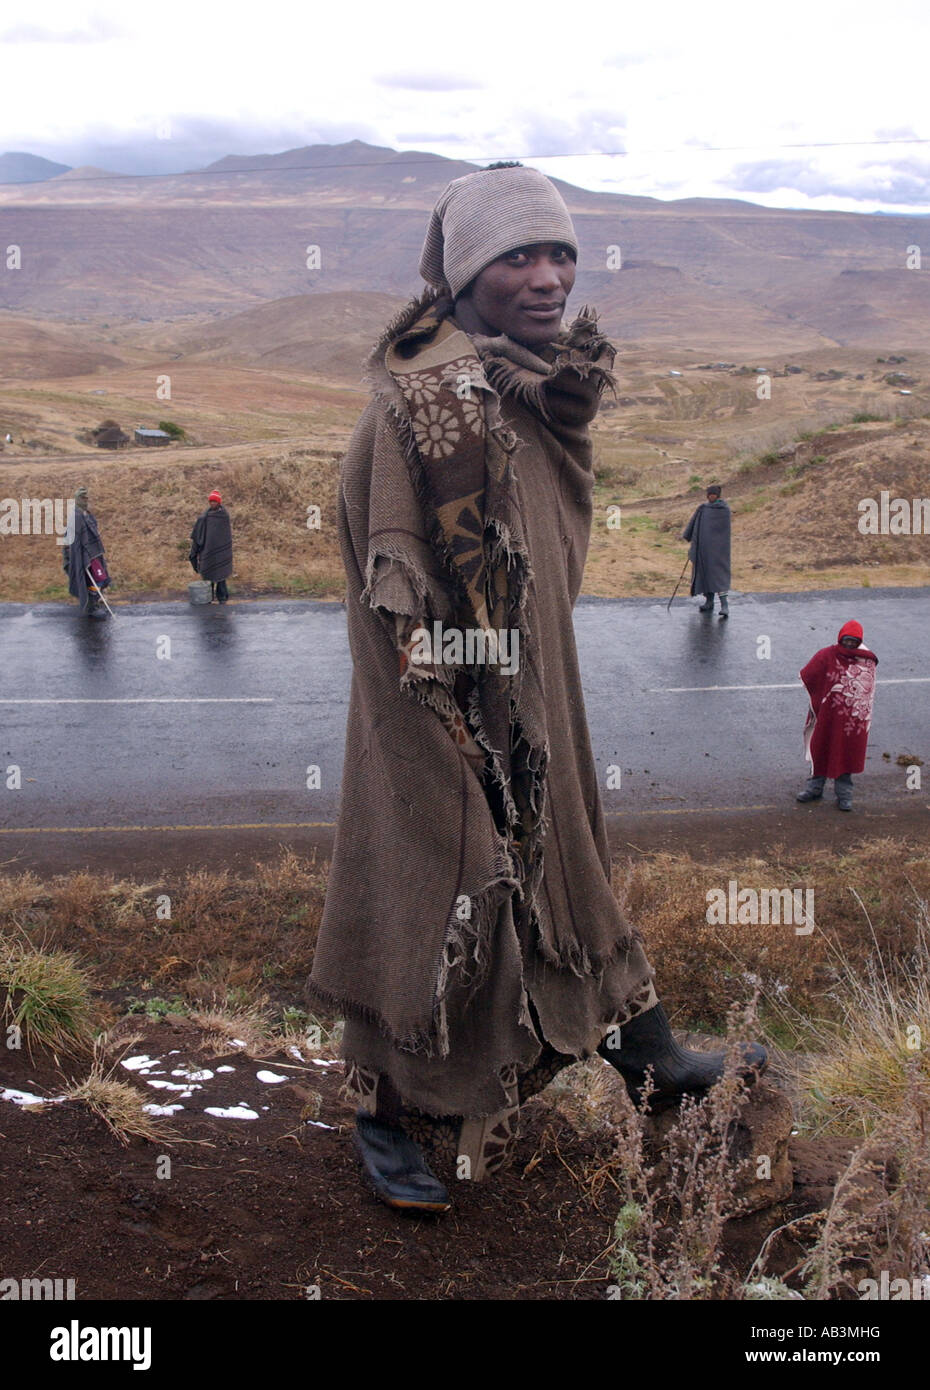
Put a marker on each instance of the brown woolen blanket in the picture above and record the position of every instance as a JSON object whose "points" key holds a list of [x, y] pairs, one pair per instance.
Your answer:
{"points": [[470, 872]]}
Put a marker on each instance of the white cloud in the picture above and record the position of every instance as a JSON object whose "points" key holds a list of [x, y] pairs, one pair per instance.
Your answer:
{"points": [[97, 29], [427, 81], [669, 85]]}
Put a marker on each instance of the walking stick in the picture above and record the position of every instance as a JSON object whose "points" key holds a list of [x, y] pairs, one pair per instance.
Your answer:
{"points": [[668, 606], [98, 592]]}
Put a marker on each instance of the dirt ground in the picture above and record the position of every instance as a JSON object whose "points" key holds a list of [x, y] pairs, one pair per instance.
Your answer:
{"points": [[273, 1208]]}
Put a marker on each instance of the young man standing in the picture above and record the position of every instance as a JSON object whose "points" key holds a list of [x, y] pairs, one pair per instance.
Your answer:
{"points": [[709, 534], [470, 934]]}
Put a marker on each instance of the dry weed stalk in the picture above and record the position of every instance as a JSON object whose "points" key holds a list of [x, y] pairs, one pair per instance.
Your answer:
{"points": [[667, 1236]]}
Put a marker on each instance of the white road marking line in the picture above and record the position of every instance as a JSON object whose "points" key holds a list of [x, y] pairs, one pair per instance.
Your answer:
{"points": [[154, 700], [792, 685]]}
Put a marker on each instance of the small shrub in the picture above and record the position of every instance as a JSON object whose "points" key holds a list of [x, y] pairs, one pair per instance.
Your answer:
{"points": [[171, 428], [48, 997]]}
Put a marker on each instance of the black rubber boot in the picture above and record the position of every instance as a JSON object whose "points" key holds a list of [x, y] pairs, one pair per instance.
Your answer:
{"points": [[708, 605], [647, 1041], [813, 791], [395, 1167]]}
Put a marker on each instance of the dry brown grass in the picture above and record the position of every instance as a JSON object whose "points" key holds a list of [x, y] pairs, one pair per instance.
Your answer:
{"points": [[795, 521], [874, 1061], [145, 511], [118, 1104], [228, 938], [238, 939], [247, 1030], [703, 969]]}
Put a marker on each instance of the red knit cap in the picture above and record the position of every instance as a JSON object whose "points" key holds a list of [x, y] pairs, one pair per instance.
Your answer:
{"points": [[850, 629], [214, 497]]}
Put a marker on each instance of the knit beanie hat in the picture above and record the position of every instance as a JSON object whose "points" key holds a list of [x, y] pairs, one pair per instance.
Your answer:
{"points": [[481, 216], [214, 497], [850, 629]]}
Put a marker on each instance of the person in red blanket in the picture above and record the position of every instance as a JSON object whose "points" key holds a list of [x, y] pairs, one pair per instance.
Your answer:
{"points": [[840, 681]]}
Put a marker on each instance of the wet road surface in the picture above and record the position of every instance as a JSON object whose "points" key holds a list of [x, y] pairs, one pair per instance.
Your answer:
{"points": [[170, 731]]}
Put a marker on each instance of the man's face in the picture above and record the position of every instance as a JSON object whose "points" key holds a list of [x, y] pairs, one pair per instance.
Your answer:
{"points": [[213, 504], [712, 496], [851, 641], [522, 294]]}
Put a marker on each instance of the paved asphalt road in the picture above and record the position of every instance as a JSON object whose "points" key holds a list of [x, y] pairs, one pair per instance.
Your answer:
{"points": [[109, 736]]}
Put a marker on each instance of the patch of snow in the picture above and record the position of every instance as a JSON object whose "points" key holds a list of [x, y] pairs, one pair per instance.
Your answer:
{"points": [[226, 1068], [138, 1062], [203, 1075], [26, 1098], [322, 1062], [185, 1087], [232, 1112], [162, 1109], [271, 1078], [319, 1124], [294, 1051]]}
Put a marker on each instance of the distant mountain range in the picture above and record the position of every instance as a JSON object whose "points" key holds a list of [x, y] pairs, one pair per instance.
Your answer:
{"points": [[28, 168], [717, 276]]}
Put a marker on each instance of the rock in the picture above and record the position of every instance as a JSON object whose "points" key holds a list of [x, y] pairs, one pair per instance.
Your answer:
{"points": [[758, 1142]]}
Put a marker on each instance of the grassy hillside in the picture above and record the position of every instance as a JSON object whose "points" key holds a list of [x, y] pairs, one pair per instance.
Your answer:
{"points": [[795, 515]]}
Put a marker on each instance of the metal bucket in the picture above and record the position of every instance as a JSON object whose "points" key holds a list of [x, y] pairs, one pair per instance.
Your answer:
{"points": [[199, 591]]}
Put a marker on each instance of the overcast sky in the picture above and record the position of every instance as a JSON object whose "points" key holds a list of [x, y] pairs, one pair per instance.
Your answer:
{"points": [[781, 103]]}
